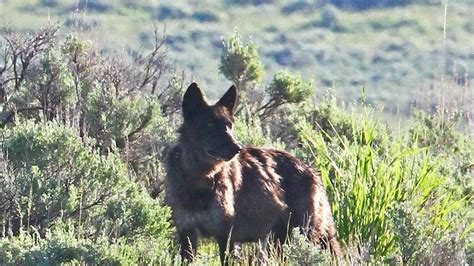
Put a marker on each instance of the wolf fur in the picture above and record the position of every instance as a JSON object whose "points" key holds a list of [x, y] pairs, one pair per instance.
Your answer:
{"points": [[235, 194]]}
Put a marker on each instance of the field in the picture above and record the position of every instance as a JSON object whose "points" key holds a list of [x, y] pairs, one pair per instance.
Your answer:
{"points": [[379, 100]]}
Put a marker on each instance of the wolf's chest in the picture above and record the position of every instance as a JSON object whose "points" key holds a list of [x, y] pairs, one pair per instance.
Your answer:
{"points": [[209, 220], [198, 200]]}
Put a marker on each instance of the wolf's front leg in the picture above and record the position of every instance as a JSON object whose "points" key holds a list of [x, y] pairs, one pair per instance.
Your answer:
{"points": [[225, 244], [188, 241]]}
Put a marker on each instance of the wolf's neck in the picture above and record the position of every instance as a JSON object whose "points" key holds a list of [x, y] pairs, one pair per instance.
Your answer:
{"points": [[194, 165]]}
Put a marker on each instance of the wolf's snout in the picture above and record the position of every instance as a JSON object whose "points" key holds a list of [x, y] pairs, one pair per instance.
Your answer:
{"points": [[225, 152], [232, 150], [238, 148]]}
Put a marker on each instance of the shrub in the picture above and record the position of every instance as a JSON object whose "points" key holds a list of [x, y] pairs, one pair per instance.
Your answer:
{"points": [[80, 22], [438, 132], [251, 131], [285, 88], [113, 121], [283, 57], [133, 214], [289, 88], [366, 4], [113, 103], [60, 245], [165, 12], [250, 2], [410, 225], [63, 243], [337, 122], [300, 6], [68, 203], [99, 6], [329, 17], [240, 64], [48, 3], [298, 250], [440, 135], [51, 174], [205, 16]]}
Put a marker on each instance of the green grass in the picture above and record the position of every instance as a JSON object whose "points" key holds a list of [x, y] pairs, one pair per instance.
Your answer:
{"points": [[389, 187]]}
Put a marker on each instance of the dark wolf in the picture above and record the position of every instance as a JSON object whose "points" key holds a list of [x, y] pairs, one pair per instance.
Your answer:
{"points": [[235, 194]]}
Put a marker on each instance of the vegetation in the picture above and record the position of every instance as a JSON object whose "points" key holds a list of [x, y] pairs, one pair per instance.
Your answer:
{"points": [[85, 130], [397, 53], [388, 188]]}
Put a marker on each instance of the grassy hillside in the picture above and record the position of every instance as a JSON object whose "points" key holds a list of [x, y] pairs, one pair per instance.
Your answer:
{"points": [[399, 55]]}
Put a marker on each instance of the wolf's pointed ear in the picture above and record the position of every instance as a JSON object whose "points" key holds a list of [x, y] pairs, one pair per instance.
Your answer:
{"points": [[229, 98], [193, 101]]}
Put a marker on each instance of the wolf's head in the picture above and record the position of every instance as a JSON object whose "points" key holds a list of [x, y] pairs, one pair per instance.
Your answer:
{"points": [[207, 129]]}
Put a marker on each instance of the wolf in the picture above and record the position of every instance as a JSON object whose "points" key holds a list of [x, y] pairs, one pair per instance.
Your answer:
{"points": [[218, 188]]}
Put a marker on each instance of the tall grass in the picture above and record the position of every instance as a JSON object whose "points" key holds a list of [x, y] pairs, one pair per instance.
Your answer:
{"points": [[369, 175]]}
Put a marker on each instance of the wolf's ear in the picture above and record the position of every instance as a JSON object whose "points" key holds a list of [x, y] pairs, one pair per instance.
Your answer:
{"points": [[193, 101], [229, 98]]}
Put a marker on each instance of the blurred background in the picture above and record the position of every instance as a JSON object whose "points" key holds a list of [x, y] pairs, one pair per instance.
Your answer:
{"points": [[397, 54]]}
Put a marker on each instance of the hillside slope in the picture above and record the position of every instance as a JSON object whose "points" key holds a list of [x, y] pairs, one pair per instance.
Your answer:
{"points": [[399, 55]]}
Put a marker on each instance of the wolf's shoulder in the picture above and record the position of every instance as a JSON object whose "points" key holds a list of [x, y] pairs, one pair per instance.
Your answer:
{"points": [[282, 162], [263, 154], [264, 158]]}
